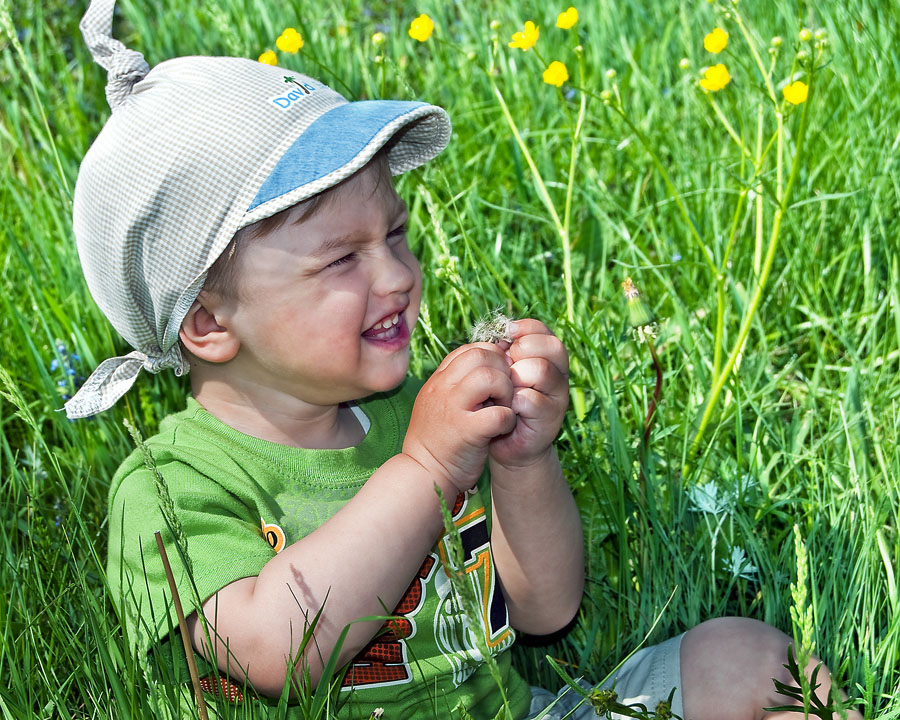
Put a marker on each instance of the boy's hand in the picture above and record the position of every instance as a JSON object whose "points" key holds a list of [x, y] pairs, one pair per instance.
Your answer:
{"points": [[540, 379], [464, 404]]}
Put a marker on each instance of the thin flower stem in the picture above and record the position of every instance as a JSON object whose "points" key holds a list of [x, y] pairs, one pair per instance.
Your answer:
{"points": [[567, 215], [759, 63], [720, 380], [539, 181], [562, 228], [578, 401], [707, 255], [720, 285], [728, 128], [757, 250]]}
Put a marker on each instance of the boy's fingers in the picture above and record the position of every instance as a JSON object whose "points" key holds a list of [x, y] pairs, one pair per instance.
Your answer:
{"points": [[494, 420], [483, 384], [530, 403], [527, 326], [467, 356], [547, 347]]}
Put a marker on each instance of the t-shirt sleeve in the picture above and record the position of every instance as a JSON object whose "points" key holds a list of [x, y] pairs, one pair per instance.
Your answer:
{"points": [[208, 532]]}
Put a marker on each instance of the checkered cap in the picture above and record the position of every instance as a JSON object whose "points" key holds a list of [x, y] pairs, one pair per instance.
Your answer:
{"points": [[195, 149]]}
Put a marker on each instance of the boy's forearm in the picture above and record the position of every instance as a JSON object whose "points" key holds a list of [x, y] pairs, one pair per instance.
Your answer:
{"points": [[537, 544], [357, 564]]}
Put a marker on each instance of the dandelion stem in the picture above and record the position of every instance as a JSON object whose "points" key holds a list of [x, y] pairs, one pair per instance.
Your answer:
{"points": [[657, 390]]}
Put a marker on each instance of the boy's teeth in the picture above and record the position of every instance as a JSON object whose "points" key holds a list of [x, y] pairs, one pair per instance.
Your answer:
{"points": [[389, 322]]}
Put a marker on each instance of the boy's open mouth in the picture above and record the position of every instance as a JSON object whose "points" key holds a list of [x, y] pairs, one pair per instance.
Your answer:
{"points": [[385, 329]]}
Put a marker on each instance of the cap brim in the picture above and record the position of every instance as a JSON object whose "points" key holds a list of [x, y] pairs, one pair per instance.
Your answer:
{"points": [[342, 141]]}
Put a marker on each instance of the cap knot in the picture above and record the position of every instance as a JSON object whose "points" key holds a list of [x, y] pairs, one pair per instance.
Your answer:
{"points": [[126, 67]]}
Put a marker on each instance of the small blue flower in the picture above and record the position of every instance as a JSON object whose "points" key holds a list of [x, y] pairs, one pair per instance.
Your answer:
{"points": [[54, 363]]}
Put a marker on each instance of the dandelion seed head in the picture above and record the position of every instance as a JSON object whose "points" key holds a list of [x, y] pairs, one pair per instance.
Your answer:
{"points": [[491, 328]]}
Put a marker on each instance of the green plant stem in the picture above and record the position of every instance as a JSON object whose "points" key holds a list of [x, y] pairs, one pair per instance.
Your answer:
{"points": [[670, 186], [756, 56], [757, 250], [719, 381], [728, 127], [562, 227]]}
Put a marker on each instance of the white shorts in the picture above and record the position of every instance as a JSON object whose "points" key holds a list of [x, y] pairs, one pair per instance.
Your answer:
{"points": [[647, 677]]}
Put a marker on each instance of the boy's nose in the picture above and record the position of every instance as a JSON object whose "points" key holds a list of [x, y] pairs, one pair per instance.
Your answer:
{"points": [[396, 273]]}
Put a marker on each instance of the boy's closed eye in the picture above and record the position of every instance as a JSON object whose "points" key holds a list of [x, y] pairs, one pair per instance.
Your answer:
{"points": [[343, 260]]}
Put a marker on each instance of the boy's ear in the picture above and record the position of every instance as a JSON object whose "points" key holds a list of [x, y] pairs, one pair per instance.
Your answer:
{"points": [[205, 338]]}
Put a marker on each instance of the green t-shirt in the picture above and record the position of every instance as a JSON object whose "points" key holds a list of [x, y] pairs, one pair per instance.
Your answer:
{"points": [[240, 500]]}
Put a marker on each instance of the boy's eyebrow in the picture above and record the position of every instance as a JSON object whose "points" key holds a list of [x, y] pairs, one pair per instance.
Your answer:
{"points": [[340, 241]]}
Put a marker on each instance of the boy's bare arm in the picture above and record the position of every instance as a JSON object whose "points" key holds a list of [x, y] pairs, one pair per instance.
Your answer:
{"points": [[536, 538], [360, 562]]}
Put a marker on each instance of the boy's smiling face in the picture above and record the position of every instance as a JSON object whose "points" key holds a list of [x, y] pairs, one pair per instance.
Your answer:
{"points": [[323, 308]]}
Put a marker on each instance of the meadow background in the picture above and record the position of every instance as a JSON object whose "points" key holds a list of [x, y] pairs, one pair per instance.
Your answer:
{"points": [[802, 427]]}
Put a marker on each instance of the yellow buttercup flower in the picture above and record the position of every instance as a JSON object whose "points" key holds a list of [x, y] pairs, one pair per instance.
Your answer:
{"points": [[715, 78], [269, 58], [527, 38], [567, 19], [716, 41], [556, 74], [796, 92], [421, 28], [289, 41]]}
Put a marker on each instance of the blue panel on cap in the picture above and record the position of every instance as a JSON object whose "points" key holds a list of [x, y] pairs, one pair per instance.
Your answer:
{"points": [[332, 141]]}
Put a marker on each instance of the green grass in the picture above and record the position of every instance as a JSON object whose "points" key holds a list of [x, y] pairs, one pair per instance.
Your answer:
{"points": [[804, 433]]}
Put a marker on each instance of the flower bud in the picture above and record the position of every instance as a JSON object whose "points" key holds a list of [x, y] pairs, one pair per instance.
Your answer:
{"points": [[684, 63], [611, 74], [802, 55], [606, 97], [805, 35], [777, 41], [378, 39], [495, 24]]}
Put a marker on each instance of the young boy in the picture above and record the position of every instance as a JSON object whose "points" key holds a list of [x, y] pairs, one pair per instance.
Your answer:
{"points": [[244, 221]]}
